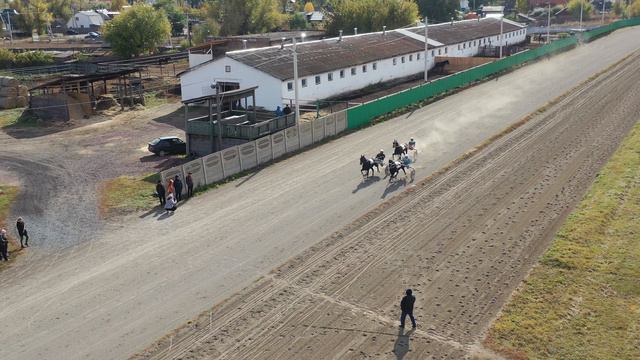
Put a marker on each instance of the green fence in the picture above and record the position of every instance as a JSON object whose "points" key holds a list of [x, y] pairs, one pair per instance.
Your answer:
{"points": [[362, 115]]}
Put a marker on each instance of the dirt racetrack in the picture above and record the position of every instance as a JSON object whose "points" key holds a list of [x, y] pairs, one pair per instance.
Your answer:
{"points": [[462, 240]]}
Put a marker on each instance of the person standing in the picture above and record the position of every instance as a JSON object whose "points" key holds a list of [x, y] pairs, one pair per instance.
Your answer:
{"points": [[279, 112], [22, 231], [286, 110], [406, 305], [162, 194], [4, 245], [189, 181], [170, 189], [177, 183]]}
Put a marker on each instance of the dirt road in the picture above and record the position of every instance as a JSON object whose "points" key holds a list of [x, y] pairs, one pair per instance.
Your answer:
{"points": [[462, 241], [147, 274]]}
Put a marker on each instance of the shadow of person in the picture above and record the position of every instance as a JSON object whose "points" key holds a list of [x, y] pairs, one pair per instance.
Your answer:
{"points": [[165, 215], [401, 346], [155, 211]]}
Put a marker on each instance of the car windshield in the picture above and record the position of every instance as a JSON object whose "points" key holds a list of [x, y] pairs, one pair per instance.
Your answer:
{"points": [[154, 141]]}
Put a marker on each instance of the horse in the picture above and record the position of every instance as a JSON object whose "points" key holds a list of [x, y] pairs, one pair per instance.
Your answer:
{"points": [[394, 169], [368, 164], [399, 149]]}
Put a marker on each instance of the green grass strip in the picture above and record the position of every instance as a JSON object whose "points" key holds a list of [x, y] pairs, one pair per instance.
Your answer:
{"points": [[582, 301]]}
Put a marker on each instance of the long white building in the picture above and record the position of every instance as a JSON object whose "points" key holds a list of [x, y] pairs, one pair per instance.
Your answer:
{"points": [[330, 67]]}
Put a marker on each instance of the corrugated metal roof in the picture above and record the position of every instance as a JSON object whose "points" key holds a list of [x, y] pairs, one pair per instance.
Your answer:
{"points": [[316, 57]]}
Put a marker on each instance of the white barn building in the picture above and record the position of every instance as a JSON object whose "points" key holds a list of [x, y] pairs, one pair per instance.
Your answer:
{"points": [[85, 21], [334, 66]]}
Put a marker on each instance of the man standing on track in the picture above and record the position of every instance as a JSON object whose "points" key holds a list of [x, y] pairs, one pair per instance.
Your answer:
{"points": [[406, 305], [22, 232]]}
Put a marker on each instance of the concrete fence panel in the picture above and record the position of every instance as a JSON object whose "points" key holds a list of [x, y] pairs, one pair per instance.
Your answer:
{"points": [[230, 161], [248, 155], [318, 129], [292, 143], [330, 125], [196, 169], [263, 148], [213, 168], [341, 121], [170, 174], [306, 134], [278, 147]]}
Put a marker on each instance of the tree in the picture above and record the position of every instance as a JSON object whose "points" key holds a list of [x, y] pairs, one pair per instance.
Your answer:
{"points": [[34, 15], [370, 15], [298, 22], [522, 6], [61, 9], [308, 8], [438, 10], [574, 8], [116, 5], [619, 8], [633, 9], [137, 30]]}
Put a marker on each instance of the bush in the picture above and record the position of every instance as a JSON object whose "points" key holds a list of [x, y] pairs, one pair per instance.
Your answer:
{"points": [[33, 58], [7, 58]]}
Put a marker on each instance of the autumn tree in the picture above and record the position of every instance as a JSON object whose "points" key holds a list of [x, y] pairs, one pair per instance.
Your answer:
{"points": [[371, 15], [34, 15], [137, 30], [116, 5], [522, 6], [634, 8], [574, 8]]}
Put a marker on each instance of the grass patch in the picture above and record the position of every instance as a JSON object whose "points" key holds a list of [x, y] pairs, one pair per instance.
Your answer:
{"points": [[7, 196], [17, 118], [583, 299], [126, 194], [154, 98]]}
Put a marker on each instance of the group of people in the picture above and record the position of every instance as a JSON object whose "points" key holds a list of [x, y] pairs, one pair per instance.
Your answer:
{"points": [[282, 112], [170, 196], [4, 240]]}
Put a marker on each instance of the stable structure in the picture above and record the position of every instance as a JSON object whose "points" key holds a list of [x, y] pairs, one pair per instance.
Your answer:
{"points": [[334, 66], [229, 118], [72, 97]]}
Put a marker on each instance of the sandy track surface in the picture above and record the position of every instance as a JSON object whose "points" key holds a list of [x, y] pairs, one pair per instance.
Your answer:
{"points": [[147, 274], [462, 241]]}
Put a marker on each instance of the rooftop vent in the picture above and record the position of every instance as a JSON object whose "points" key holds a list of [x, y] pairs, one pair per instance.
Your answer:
{"points": [[384, 30], [340, 37], [355, 31], [282, 43]]}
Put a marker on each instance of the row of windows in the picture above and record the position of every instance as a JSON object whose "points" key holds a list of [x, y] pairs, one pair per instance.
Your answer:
{"points": [[484, 41], [318, 78]]}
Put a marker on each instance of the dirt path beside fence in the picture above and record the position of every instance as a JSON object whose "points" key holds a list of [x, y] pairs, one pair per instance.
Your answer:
{"points": [[463, 241]]}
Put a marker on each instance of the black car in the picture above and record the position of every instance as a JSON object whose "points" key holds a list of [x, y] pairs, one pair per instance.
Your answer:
{"points": [[167, 145], [72, 32]]}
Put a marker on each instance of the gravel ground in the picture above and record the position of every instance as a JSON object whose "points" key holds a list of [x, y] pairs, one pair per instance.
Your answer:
{"points": [[145, 274], [462, 241]]}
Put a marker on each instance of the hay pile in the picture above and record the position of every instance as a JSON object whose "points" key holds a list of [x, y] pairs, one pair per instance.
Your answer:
{"points": [[12, 94]]}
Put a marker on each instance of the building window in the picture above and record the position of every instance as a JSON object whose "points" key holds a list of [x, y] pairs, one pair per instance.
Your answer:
{"points": [[418, 56], [402, 59], [464, 46], [439, 51], [290, 86], [304, 82], [395, 61], [445, 49], [411, 57], [375, 66], [318, 80], [433, 53], [330, 76], [353, 71], [364, 68], [474, 43], [341, 74], [227, 68]]}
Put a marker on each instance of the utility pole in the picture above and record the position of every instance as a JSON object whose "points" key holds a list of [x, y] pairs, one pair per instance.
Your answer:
{"points": [[548, 22], [501, 29], [188, 28], [295, 88], [426, 48], [10, 29], [603, 2]]}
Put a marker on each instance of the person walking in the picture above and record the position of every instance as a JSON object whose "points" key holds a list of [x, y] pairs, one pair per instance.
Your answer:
{"points": [[162, 194], [177, 183], [286, 110], [4, 245], [406, 305], [189, 181], [22, 231], [171, 205]]}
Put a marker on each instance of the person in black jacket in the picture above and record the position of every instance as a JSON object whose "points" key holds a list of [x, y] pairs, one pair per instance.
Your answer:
{"points": [[406, 305], [4, 245], [178, 185], [161, 193], [22, 232]]}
